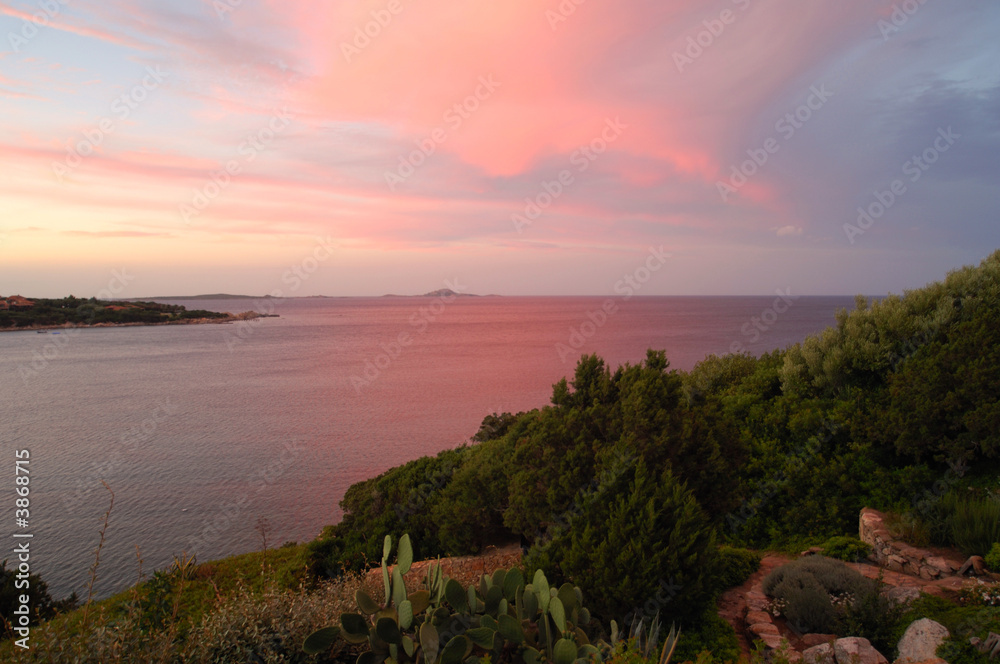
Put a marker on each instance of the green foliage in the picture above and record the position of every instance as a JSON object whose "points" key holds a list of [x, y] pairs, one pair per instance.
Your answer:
{"points": [[708, 633], [40, 603], [993, 558], [803, 589], [842, 547], [972, 523], [961, 622], [735, 566], [71, 310], [872, 615], [501, 619], [640, 532]]}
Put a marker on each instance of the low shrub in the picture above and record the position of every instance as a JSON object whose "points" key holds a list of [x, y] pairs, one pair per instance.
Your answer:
{"points": [[736, 566], [804, 590], [872, 615], [973, 522], [993, 558], [850, 549]]}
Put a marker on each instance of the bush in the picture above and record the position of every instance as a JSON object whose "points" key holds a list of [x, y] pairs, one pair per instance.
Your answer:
{"points": [[850, 549], [736, 566], [993, 558], [709, 633], [872, 615], [636, 535], [804, 588], [973, 523]]}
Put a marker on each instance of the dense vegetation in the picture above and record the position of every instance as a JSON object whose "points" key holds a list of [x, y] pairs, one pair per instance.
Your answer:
{"points": [[631, 477], [75, 311]]}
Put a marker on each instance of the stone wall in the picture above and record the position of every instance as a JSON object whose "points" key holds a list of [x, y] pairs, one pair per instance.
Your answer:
{"points": [[899, 556]]}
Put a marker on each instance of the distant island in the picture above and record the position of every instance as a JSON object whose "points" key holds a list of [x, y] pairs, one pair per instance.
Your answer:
{"points": [[22, 313], [441, 292]]}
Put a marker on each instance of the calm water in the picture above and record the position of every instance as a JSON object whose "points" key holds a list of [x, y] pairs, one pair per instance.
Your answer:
{"points": [[202, 430]]}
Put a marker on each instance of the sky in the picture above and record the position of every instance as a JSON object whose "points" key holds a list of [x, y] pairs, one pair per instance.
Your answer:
{"points": [[518, 147]]}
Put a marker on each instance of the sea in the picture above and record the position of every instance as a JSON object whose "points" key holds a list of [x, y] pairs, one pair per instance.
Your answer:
{"points": [[216, 439]]}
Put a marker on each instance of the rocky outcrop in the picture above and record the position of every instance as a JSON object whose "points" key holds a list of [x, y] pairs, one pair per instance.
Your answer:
{"points": [[856, 650], [899, 556], [920, 641]]}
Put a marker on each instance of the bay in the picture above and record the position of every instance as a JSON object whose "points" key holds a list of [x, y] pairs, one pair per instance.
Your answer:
{"points": [[202, 430]]}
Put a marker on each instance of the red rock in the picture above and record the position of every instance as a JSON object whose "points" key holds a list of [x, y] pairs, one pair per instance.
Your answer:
{"points": [[819, 654], [754, 617], [812, 640], [760, 629], [856, 650]]}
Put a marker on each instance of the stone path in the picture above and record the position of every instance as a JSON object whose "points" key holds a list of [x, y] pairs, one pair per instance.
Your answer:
{"points": [[745, 607]]}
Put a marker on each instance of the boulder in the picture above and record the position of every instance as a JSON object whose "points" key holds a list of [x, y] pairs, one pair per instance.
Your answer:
{"points": [[940, 564], [821, 654], [810, 640], [856, 650], [974, 563], [811, 551], [760, 629], [920, 641], [903, 594], [754, 617]]}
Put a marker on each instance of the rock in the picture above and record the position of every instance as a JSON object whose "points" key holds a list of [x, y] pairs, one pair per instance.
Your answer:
{"points": [[811, 551], [821, 654], [754, 617], [976, 564], [774, 642], [940, 564], [921, 640], [903, 594], [856, 650], [811, 640], [760, 629]]}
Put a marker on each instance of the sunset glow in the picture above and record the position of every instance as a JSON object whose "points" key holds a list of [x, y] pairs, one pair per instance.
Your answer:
{"points": [[523, 147]]}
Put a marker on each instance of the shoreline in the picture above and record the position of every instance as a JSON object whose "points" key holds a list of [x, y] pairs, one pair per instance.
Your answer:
{"points": [[72, 326]]}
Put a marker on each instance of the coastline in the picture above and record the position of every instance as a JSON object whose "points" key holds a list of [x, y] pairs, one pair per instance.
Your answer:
{"points": [[68, 326]]}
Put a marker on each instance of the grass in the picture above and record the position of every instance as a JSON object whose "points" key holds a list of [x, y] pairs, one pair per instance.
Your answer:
{"points": [[207, 588]]}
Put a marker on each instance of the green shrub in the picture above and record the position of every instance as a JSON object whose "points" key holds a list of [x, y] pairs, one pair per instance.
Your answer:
{"points": [[709, 633], [500, 619], [973, 522], [872, 615], [736, 566], [850, 549], [804, 588], [640, 533], [993, 558]]}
